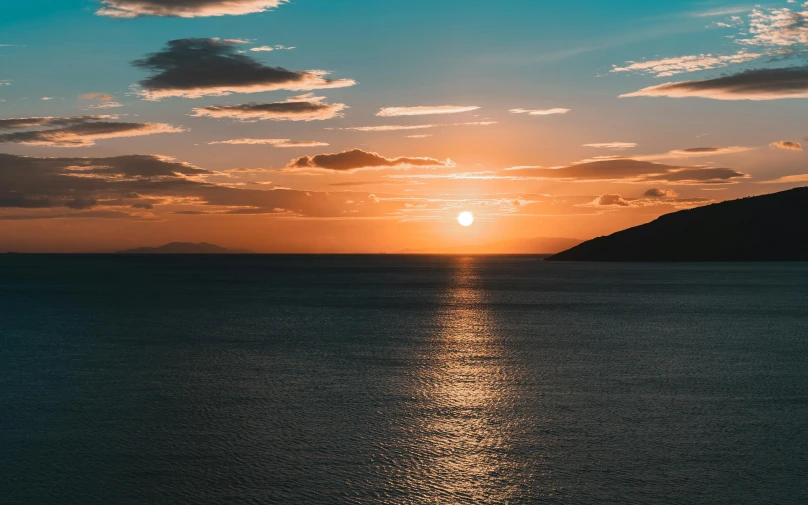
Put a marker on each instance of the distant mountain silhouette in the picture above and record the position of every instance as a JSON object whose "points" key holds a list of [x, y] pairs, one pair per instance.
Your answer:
{"points": [[538, 245], [763, 228], [185, 248]]}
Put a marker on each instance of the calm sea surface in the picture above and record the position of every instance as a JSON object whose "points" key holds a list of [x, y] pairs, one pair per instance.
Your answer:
{"points": [[400, 380]]}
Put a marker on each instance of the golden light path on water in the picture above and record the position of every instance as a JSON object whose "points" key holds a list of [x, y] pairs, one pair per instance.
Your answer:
{"points": [[463, 434]]}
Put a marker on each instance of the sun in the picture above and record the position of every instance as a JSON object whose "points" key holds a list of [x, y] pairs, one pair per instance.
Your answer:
{"points": [[465, 218]]}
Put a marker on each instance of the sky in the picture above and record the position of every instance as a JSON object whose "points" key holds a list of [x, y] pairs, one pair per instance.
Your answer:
{"points": [[360, 126]]}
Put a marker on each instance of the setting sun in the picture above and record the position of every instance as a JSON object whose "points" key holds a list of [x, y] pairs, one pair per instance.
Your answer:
{"points": [[465, 218]]}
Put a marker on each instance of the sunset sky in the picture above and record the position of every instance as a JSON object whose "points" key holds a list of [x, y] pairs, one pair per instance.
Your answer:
{"points": [[368, 125]]}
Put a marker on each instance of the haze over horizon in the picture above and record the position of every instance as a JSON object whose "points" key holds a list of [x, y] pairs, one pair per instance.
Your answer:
{"points": [[366, 126]]}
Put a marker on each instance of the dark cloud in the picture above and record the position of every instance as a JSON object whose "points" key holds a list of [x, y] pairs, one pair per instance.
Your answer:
{"points": [[145, 183], [612, 200], [82, 132], [660, 193], [91, 214], [28, 182], [197, 67], [699, 176], [700, 150], [758, 84], [184, 8], [356, 159], [13, 199], [297, 108], [53, 122], [81, 203], [630, 170]]}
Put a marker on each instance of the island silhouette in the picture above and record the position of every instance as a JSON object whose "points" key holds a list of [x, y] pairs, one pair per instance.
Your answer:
{"points": [[771, 227], [185, 248]]}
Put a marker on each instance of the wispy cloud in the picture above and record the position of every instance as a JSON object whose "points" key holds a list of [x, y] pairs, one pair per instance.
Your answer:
{"points": [[261, 49], [106, 100], [539, 112], [391, 128], [697, 152], [612, 145], [184, 8], [273, 142], [426, 110], [721, 11], [633, 170], [79, 131], [106, 105], [667, 67], [777, 28], [97, 96], [789, 179], [296, 108]]}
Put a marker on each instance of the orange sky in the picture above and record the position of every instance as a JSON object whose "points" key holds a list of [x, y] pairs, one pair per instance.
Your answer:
{"points": [[159, 125]]}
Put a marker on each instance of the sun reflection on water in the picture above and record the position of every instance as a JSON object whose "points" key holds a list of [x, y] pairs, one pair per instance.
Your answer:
{"points": [[462, 441]]}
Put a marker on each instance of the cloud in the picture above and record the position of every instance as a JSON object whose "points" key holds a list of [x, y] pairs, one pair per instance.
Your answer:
{"points": [[418, 136], [80, 183], [698, 152], [667, 67], [184, 8], [262, 49], [539, 112], [660, 193], [777, 28], [273, 142], [631, 170], [357, 159], [47, 98], [81, 203], [474, 123], [193, 68], [106, 100], [785, 144], [759, 84], [391, 128], [296, 108], [789, 179], [611, 200], [425, 110], [97, 96], [128, 185], [723, 11], [28, 122], [79, 131], [90, 214], [612, 145], [106, 105]]}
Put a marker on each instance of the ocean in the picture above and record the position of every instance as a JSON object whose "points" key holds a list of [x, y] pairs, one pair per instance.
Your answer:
{"points": [[388, 379]]}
